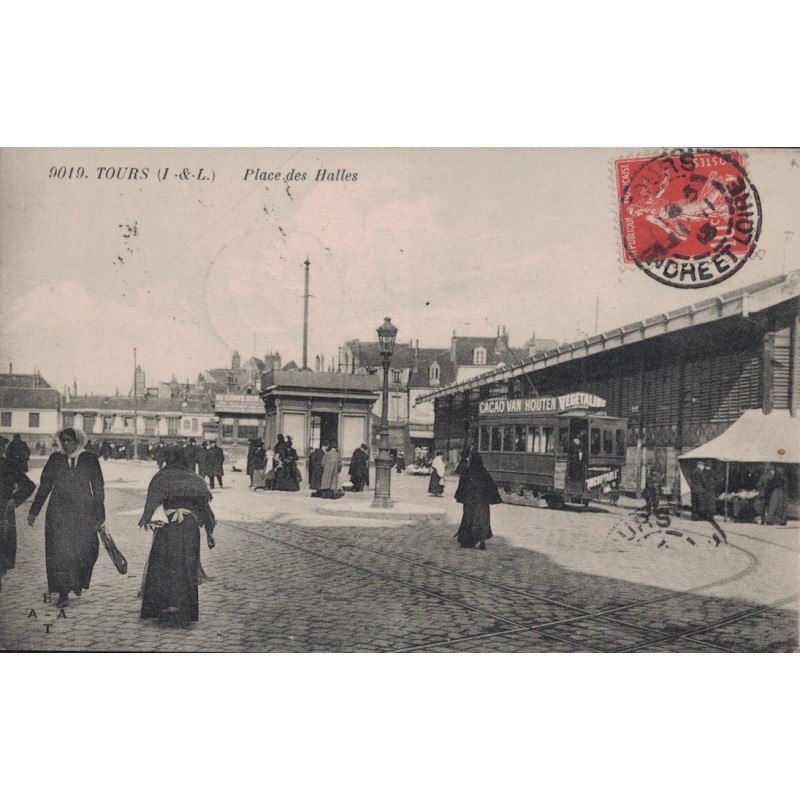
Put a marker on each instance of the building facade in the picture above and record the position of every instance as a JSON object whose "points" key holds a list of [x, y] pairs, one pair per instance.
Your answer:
{"points": [[415, 371], [115, 419], [412, 373], [30, 407], [241, 417], [240, 377]]}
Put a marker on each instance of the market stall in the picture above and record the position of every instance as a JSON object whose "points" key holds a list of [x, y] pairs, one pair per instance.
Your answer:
{"points": [[752, 444]]}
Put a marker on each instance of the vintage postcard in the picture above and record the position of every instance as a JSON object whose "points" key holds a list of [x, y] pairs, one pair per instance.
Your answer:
{"points": [[400, 400]]}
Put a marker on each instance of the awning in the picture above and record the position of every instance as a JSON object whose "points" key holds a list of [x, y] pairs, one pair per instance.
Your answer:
{"points": [[755, 437]]}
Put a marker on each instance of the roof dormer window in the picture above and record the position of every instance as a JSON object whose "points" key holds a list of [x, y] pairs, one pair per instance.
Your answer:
{"points": [[434, 374], [479, 356]]}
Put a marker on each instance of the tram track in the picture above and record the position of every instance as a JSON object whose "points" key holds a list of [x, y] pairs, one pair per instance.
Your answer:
{"points": [[581, 614], [543, 628]]}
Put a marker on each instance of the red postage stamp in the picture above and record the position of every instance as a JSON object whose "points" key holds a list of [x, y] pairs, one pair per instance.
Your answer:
{"points": [[688, 218]]}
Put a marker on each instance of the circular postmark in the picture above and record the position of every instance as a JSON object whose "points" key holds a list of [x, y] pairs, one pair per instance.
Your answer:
{"points": [[688, 218]]}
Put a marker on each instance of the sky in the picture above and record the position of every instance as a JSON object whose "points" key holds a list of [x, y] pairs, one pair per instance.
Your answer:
{"points": [[440, 240]]}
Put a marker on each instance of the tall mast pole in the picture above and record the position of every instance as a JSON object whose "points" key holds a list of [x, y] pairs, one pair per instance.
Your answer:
{"points": [[135, 409], [305, 318]]}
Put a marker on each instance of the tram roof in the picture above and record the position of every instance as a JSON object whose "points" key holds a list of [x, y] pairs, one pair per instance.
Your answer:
{"points": [[740, 303]]}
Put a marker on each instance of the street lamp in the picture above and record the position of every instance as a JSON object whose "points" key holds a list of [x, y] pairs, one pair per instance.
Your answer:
{"points": [[383, 462]]}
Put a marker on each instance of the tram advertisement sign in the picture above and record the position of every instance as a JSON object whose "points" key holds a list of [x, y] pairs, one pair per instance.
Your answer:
{"points": [[528, 405]]}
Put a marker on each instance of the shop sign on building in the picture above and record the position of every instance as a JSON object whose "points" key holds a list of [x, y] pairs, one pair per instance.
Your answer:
{"points": [[239, 404]]}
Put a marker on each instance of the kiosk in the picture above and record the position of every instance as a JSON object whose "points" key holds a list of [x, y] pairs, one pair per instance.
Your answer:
{"points": [[313, 407]]}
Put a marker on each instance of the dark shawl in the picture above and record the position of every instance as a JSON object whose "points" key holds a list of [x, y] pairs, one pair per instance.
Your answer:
{"points": [[172, 483], [475, 484]]}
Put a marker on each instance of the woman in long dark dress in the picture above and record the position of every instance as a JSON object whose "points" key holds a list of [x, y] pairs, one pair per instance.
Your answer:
{"points": [[359, 468], [288, 476], [436, 483], [15, 488], [73, 480], [176, 507], [476, 491]]}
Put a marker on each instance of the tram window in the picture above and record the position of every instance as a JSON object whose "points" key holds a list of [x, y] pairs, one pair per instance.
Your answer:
{"points": [[608, 442], [547, 440], [595, 445], [508, 443], [563, 441], [519, 439], [620, 442], [484, 439], [497, 435], [529, 444]]}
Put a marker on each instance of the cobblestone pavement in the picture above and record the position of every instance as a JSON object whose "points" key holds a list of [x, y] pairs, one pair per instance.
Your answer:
{"points": [[550, 581]]}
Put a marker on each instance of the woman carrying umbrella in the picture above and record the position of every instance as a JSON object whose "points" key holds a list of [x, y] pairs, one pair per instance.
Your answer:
{"points": [[73, 480]]}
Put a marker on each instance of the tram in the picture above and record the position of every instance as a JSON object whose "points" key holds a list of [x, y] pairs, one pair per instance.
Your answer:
{"points": [[563, 449]]}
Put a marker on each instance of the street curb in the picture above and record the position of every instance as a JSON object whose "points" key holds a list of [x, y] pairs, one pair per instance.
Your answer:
{"points": [[397, 514]]}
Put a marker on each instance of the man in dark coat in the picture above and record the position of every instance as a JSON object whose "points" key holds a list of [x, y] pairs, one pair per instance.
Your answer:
{"points": [[214, 461], [315, 470], [258, 462], [18, 452], [251, 447], [359, 468], [777, 504], [704, 498], [15, 489], [764, 486], [191, 454], [202, 459], [105, 450], [652, 489], [158, 452], [698, 484]]}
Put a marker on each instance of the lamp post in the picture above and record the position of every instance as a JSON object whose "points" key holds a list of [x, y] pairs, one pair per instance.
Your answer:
{"points": [[383, 462]]}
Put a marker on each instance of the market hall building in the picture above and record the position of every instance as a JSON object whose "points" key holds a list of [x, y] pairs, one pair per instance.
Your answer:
{"points": [[680, 379]]}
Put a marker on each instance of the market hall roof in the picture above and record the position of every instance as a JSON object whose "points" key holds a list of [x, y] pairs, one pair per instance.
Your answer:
{"points": [[740, 303]]}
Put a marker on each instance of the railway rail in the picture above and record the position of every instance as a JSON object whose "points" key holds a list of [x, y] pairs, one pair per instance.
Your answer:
{"points": [[546, 629]]}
